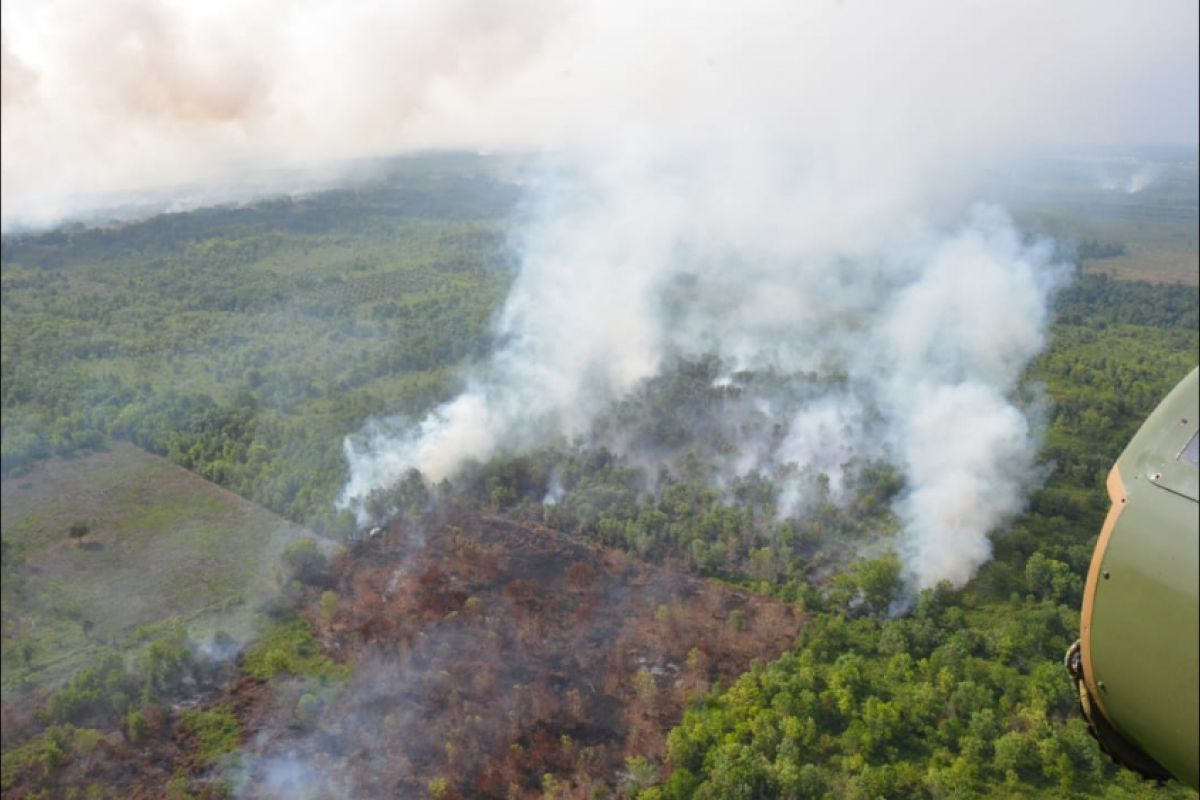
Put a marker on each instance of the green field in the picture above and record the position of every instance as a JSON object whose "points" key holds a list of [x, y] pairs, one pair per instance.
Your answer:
{"points": [[164, 547], [1148, 234]]}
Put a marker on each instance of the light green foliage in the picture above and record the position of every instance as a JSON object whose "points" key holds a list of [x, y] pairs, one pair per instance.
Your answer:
{"points": [[329, 604], [135, 726], [639, 773], [289, 648], [106, 691], [86, 740], [216, 730], [244, 344], [868, 586], [165, 668], [179, 787], [45, 754], [645, 686], [839, 717], [87, 696]]}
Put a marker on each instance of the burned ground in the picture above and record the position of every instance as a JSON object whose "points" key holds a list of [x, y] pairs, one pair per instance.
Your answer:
{"points": [[488, 658], [489, 655]]}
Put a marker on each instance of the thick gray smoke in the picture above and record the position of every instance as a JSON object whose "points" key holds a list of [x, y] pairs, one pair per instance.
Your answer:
{"points": [[135, 95], [768, 262]]}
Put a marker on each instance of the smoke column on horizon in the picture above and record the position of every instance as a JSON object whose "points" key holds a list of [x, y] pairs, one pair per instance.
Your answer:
{"points": [[785, 266]]}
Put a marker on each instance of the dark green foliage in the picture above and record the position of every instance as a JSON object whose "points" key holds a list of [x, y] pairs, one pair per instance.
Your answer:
{"points": [[1093, 249], [409, 495], [305, 562], [246, 343], [109, 690], [78, 530], [95, 694], [964, 696], [167, 669]]}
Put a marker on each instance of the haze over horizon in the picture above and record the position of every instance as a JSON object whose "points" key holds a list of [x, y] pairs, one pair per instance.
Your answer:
{"points": [[137, 96]]}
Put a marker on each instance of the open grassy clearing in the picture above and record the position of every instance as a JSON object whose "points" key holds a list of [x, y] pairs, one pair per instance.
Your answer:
{"points": [[163, 546], [1159, 241], [1125, 230]]}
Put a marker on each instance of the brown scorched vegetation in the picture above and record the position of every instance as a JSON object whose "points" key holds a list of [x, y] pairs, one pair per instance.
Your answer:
{"points": [[497, 659], [487, 658]]}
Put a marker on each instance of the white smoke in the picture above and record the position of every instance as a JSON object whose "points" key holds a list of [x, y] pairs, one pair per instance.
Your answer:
{"points": [[650, 255], [952, 346], [776, 183], [1130, 178], [132, 95]]}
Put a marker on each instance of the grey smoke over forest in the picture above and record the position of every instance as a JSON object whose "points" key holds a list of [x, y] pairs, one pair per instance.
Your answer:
{"points": [[786, 186], [782, 269]]}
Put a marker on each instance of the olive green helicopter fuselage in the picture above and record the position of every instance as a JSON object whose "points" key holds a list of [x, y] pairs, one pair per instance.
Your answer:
{"points": [[1135, 663]]}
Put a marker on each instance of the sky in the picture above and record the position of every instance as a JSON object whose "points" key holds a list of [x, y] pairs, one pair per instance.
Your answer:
{"points": [[132, 95]]}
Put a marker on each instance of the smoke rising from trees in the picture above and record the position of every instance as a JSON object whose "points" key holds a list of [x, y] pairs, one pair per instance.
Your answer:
{"points": [[648, 258], [781, 185]]}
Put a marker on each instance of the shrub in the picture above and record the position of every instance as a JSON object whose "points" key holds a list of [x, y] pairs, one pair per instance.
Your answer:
{"points": [[135, 726], [305, 562], [217, 732]]}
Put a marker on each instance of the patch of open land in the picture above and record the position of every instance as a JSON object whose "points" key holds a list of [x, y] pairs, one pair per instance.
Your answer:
{"points": [[162, 546]]}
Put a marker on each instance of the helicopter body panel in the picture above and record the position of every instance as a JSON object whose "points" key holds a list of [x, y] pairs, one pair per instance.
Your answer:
{"points": [[1140, 622]]}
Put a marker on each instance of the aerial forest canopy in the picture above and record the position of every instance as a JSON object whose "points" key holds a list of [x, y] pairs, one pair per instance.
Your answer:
{"points": [[245, 344]]}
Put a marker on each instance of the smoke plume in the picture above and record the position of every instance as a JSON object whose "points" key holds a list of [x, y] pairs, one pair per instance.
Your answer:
{"points": [[651, 256], [784, 186], [102, 100]]}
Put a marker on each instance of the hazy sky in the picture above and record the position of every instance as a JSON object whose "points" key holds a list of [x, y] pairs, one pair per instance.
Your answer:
{"points": [[103, 97]]}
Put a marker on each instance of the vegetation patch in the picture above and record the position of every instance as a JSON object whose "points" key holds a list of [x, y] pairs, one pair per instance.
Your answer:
{"points": [[163, 548], [45, 755], [217, 732], [289, 648]]}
